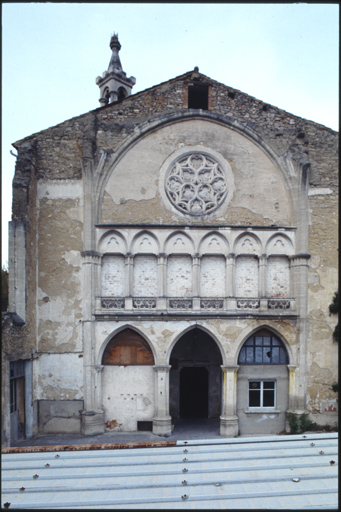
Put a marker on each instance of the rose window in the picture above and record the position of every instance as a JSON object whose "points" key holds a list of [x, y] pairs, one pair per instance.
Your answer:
{"points": [[196, 184]]}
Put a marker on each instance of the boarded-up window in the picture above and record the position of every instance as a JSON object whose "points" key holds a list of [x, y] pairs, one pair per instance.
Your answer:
{"points": [[247, 276], [277, 278], [179, 276], [113, 276], [127, 348], [145, 276], [212, 280]]}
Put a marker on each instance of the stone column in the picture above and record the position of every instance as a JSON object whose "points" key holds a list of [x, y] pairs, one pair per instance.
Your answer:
{"points": [[292, 388], [93, 418], [93, 415], [230, 273], [299, 278], [196, 263], [262, 275], [229, 420], [129, 260], [161, 274], [162, 421]]}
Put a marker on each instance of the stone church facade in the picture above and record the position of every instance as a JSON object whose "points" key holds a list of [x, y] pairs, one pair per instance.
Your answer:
{"points": [[173, 254]]}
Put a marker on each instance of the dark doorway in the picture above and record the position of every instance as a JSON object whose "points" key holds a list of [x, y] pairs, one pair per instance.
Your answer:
{"points": [[194, 392], [195, 377]]}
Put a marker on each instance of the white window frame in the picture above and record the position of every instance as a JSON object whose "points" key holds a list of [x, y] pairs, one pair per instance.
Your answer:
{"points": [[261, 406]]}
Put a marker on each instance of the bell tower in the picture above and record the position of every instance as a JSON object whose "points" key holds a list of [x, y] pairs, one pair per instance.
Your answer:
{"points": [[114, 84]]}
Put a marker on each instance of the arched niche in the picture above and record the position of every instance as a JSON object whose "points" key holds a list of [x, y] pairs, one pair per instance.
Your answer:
{"points": [[279, 244], [127, 348], [213, 243], [145, 242], [179, 243], [248, 243], [112, 242]]}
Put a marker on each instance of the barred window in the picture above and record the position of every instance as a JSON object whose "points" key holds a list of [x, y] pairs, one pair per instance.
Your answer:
{"points": [[263, 348]]}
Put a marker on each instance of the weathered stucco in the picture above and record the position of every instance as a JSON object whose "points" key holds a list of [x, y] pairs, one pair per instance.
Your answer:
{"points": [[263, 192]]}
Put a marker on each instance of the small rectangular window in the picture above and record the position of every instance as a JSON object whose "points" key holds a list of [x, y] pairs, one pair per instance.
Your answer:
{"points": [[262, 393], [198, 96]]}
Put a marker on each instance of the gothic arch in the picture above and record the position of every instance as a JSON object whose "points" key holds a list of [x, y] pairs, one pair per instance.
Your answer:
{"points": [[112, 241], [140, 235], [247, 235], [219, 237], [249, 331], [192, 327], [286, 241], [188, 247], [117, 331], [283, 165]]}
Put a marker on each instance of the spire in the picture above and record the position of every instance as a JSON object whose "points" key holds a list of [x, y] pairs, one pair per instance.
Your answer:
{"points": [[114, 84], [115, 63]]}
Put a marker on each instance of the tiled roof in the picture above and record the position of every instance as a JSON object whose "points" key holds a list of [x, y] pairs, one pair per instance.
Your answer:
{"points": [[281, 472]]}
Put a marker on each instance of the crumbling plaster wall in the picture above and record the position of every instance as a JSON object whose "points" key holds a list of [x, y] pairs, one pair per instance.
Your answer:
{"points": [[60, 224]]}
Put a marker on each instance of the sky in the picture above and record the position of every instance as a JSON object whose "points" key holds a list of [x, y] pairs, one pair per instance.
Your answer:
{"points": [[283, 54]]}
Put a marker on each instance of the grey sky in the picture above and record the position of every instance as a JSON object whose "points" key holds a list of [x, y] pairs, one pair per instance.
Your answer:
{"points": [[283, 54]]}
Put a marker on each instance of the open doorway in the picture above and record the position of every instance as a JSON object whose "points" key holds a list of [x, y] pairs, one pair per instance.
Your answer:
{"points": [[195, 377], [194, 392]]}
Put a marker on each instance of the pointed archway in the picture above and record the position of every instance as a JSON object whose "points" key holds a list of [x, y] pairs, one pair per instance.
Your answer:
{"points": [[195, 376]]}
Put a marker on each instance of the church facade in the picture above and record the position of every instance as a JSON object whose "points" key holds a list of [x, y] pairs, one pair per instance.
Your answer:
{"points": [[173, 254]]}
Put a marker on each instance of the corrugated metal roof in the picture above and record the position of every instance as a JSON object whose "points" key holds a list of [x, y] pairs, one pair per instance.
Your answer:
{"points": [[239, 473]]}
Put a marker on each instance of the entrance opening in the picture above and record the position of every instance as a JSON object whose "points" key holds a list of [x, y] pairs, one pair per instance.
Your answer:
{"points": [[194, 392], [195, 377]]}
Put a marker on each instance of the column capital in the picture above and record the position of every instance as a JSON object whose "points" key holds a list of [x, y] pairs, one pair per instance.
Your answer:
{"points": [[98, 368], [229, 368], [162, 367], [88, 255], [292, 367]]}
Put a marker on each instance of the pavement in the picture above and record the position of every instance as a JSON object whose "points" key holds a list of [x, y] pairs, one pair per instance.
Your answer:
{"points": [[184, 429]]}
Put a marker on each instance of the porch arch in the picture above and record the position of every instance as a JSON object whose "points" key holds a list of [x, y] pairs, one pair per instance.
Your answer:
{"points": [[117, 331], [202, 328], [250, 331], [195, 375]]}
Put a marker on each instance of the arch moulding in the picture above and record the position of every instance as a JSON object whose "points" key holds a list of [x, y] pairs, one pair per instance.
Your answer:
{"points": [[249, 331], [190, 328], [117, 331], [105, 170]]}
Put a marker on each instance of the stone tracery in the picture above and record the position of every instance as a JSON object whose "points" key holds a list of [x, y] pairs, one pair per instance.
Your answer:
{"points": [[196, 184]]}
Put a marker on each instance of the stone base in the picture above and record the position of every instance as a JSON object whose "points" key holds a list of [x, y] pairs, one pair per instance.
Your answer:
{"points": [[229, 426], [162, 426], [92, 423]]}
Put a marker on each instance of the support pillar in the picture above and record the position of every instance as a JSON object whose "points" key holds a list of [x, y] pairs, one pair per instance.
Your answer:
{"points": [[162, 421], [229, 426], [292, 392], [262, 275], [93, 415], [196, 264], [230, 272]]}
